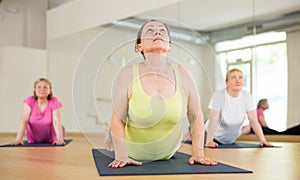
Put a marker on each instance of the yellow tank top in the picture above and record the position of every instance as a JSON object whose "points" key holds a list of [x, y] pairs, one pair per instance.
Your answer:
{"points": [[154, 126]]}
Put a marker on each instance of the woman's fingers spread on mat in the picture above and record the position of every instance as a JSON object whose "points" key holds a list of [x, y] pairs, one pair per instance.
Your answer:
{"points": [[120, 164], [264, 144], [136, 163], [16, 143], [212, 144], [116, 164], [202, 160], [59, 142], [207, 161]]}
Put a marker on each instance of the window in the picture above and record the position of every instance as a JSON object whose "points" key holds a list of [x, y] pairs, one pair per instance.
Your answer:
{"points": [[264, 66]]}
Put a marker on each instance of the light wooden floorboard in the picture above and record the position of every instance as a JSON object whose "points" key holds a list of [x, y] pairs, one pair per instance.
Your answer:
{"points": [[75, 161]]}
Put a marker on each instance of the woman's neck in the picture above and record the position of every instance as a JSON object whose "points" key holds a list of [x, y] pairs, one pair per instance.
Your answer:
{"points": [[42, 100], [233, 93], [156, 63]]}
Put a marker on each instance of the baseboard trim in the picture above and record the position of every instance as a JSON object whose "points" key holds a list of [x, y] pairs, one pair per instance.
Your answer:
{"points": [[274, 138]]}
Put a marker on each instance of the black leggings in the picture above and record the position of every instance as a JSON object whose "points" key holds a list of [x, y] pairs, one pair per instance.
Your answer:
{"points": [[290, 131]]}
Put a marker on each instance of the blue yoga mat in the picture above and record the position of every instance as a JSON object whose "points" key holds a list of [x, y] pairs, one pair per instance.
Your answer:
{"points": [[178, 164], [26, 144]]}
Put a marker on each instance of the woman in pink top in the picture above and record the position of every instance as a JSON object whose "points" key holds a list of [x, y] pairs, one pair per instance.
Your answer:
{"points": [[40, 116], [261, 107]]}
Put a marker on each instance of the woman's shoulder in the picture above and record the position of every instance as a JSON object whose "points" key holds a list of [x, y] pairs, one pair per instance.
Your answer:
{"points": [[181, 67], [246, 94], [29, 99], [54, 100], [124, 77], [184, 71], [128, 69], [219, 93]]}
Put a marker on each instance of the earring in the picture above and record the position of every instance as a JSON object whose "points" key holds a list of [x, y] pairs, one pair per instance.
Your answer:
{"points": [[140, 48]]}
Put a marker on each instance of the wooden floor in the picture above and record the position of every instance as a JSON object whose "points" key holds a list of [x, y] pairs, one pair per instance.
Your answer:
{"points": [[75, 161]]}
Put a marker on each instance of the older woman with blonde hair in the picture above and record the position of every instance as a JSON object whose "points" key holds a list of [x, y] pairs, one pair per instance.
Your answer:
{"points": [[228, 110], [40, 117]]}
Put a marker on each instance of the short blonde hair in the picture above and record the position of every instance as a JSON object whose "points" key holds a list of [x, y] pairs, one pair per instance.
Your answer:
{"points": [[38, 81], [231, 71]]}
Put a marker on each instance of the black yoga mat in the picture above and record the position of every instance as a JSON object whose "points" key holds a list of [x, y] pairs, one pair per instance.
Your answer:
{"points": [[242, 145], [26, 144], [237, 145], [178, 164]]}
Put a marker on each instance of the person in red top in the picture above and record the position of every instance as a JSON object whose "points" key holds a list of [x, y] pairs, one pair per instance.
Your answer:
{"points": [[40, 117]]}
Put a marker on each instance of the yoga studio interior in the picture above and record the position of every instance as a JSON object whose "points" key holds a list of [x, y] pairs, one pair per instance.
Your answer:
{"points": [[81, 46]]}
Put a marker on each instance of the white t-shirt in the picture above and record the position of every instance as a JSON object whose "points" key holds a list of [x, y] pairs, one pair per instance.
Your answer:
{"points": [[232, 114]]}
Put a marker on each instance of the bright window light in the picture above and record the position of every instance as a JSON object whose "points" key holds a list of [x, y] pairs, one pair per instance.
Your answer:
{"points": [[253, 40]]}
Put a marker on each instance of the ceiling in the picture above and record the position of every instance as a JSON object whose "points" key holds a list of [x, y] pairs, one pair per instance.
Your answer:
{"points": [[233, 19], [211, 15], [221, 20]]}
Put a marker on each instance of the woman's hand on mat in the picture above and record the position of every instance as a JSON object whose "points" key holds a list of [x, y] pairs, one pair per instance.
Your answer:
{"points": [[123, 163], [59, 142], [17, 142], [202, 160], [212, 144], [264, 143]]}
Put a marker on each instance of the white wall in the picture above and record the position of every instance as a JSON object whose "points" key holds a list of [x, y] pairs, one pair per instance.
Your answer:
{"points": [[23, 57], [64, 55], [19, 68], [25, 27], [293, 44]]}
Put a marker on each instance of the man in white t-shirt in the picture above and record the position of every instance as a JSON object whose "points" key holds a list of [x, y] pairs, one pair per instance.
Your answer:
{"points": [[228, 109]]}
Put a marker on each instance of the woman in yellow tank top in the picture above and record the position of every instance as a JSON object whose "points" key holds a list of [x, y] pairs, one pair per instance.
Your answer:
{"points": [[150, 102]]}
